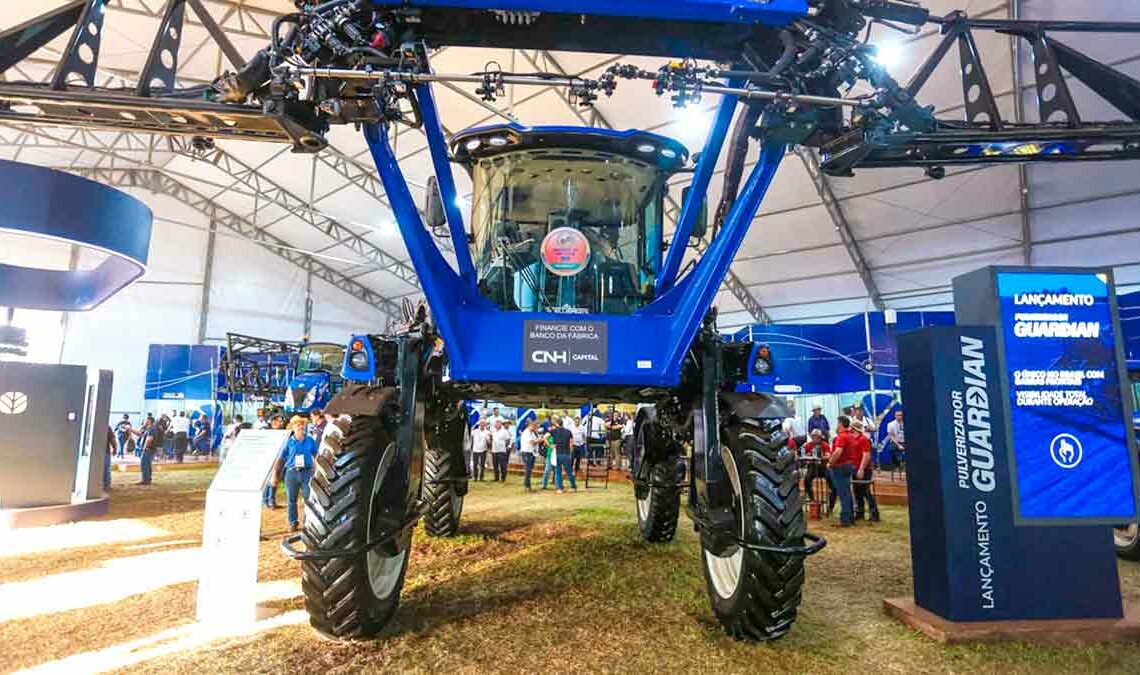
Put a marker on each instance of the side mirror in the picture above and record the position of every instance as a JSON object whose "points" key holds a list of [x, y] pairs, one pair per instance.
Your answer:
{"points": [[434, 214], [701, 226]]}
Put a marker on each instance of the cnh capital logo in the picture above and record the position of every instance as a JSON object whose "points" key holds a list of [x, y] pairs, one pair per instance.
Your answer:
{"points": [[543, 356], [13, 403]]}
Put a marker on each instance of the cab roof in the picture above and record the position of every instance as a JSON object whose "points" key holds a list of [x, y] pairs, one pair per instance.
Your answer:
{"points": [[471, 145]]}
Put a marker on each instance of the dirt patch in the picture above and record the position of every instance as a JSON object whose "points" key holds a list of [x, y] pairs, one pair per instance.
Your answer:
{"points": [[560, 583]]}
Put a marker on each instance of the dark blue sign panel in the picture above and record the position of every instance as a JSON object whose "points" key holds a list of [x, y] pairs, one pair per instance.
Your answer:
{"points": [[1072, 458], [971, 562]]}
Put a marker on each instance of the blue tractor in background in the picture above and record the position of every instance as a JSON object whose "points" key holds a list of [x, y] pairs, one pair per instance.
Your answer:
{"points": [[564, 286], [316, 378]]}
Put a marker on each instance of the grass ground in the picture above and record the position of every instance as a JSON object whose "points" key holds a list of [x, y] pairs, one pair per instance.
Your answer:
{"points": [[534, 583]]}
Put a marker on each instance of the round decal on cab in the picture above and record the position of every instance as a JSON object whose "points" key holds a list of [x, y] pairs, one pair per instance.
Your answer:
{"points": [[565, 251]]}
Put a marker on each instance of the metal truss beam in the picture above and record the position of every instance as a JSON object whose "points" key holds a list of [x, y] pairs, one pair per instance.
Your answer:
{"points": [[596, 118], [274, 193], [128, 149], [842, 226], [159, 183]]}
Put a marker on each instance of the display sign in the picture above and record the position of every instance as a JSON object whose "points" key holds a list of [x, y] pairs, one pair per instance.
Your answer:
{"points": [[970, 560], [565, 251], [565, 346], [231, 535], [1069, 416]]}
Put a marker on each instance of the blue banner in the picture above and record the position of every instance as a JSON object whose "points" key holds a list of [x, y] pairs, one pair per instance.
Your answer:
{"points": [[1072, 452]]}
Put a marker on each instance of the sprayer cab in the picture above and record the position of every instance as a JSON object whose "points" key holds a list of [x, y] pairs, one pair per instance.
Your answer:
{"points": [[565, 219]]}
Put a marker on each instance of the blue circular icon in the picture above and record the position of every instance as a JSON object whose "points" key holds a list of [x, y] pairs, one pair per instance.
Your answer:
{"points": [[1066, 451]]}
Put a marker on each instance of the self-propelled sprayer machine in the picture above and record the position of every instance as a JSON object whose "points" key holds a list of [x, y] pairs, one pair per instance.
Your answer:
{"points": [[564, 286]]}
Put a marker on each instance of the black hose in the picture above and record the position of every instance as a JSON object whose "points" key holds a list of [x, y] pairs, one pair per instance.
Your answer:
{"points": [[788, 56], [275, 31], [734, 163]]}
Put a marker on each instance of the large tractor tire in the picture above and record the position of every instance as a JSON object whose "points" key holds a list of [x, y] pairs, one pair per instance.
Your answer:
{"points": [[1127, 541], [352, 597], [755, 595], [657, 511], [445, 485]]}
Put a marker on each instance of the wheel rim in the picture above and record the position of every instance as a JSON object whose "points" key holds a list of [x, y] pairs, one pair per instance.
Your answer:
{"points": [[643, 506], [1125, 535], [642, 502], [724, 571], [456, 504], [384, 571]]}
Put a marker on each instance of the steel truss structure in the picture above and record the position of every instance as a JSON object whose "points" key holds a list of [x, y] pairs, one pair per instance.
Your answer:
{"points": [[79, 92]]}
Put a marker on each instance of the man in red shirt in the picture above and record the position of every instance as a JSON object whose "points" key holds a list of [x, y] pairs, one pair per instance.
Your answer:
{"points": [[863, 475], [813, 457], [846, 457]]}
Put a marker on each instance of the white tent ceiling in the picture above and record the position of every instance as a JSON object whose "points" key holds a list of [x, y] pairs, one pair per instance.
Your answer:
{"points": [[915, 234]]}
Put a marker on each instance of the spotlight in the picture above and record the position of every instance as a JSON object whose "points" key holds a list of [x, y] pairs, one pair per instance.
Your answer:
{"points": [[889, 54]]}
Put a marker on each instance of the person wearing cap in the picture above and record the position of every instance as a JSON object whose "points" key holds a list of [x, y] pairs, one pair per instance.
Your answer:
{"points": [[863, 475], [845, 459], [817, 422], [813, 455], [297, 457]]}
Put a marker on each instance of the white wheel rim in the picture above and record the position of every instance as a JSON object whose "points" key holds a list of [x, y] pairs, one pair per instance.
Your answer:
{"points": [[643, 506], [384, 571], [725, 571], [1125, 535]]}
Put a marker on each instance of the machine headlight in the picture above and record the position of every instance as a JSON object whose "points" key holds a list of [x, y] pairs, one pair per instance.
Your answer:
{"points": [[358, 361], [310, 399], [290, 401]]}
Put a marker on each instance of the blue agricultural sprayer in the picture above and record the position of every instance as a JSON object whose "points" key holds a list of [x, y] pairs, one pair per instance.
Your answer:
{"points": [[565, 287]]}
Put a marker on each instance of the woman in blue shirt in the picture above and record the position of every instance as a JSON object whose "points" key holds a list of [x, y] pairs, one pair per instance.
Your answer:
{"points": [[297, 457]]}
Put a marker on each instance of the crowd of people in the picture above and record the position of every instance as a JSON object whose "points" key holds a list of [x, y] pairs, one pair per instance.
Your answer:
{"points": [[845, 462], [562, 441]]}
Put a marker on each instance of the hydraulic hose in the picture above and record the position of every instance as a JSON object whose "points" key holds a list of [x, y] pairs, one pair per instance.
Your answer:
{"points": [[788, 56], [734, 163]]}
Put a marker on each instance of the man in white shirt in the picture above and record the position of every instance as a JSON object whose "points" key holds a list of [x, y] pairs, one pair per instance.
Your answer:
{"points": [[261, 422], [480, 446], [528, 443], [500, 450], [180, 425], [895, 452], [578, 430], [857, 416], [794, 426], [596, 433], [230, 438]]}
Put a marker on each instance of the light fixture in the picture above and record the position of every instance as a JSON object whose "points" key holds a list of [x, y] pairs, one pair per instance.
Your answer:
{"points": [[473, 144], [497, 141], [668, 153], [646, 148], [889, 54]]}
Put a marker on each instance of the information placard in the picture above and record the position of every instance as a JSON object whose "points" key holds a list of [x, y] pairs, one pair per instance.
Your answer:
{"points": [[227, 587], [1072, 457]]}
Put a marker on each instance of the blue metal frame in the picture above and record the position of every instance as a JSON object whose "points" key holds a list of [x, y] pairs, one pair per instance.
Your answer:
{"points": [[442, 165], [768, 12], [696, 202], [485, 343]]}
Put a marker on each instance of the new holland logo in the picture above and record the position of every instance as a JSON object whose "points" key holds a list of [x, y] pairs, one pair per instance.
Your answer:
{"points": [[13, 403]]}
